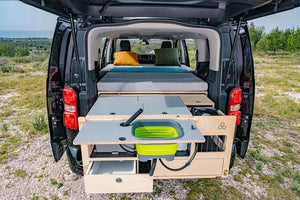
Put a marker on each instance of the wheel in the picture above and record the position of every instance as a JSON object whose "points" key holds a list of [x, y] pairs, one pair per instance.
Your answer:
{"points": [[232, 158], [75, 159]]}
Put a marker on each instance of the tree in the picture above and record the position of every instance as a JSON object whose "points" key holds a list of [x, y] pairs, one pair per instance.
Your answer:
{"points": [[274, 40], [22, 51], [256, 34], [7, 50]]}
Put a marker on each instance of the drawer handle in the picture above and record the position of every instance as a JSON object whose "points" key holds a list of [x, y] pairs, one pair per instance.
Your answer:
{"points": [[118, 180]]}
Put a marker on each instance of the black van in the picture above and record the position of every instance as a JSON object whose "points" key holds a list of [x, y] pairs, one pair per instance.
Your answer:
{"points": [[188, 60]]}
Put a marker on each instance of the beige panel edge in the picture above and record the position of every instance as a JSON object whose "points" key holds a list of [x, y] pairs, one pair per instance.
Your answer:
{"points": [[108, 184]]}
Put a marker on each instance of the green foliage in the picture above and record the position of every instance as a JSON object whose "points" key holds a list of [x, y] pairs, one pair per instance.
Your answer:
{"points": [[3, 127], [38, 122], [53, 181], [23, 47], [256, 33], [40, 65], [295, 186], [259, 165], [31, 58], [34, 197], [25, 59], [20, 173], [276, 40], [256, 154], [7, 50], [192, 56], [8, 68], [22, 51], [59, 185]]}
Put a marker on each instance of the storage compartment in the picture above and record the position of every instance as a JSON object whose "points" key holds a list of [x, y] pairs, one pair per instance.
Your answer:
{"points": [[114, 167], [206, 167], [116, 177]]}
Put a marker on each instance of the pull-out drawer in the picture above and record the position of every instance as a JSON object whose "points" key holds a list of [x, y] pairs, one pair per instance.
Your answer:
{"points": [[116, 177]]}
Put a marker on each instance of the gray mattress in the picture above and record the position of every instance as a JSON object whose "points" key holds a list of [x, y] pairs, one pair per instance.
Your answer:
{"points": [[152, 82]]}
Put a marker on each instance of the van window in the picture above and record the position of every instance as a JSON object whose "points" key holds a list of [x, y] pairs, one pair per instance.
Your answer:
{"points": [[147, 47], [190, 43]]}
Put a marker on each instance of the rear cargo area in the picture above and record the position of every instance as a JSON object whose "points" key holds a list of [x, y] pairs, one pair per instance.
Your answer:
{"points": [[108, 149]]}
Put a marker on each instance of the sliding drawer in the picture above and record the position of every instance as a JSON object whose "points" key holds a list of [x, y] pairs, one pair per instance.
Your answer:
{"points": [[116, 177]]}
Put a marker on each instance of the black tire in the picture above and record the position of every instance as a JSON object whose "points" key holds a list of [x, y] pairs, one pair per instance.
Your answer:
{"points": [[75, 159], [232, 158]]}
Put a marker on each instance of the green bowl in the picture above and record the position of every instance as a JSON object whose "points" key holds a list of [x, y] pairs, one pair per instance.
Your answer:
{"points": [[156, 130]]}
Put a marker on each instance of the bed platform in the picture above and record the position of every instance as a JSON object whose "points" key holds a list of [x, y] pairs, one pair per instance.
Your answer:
{"points": [[150, 78]]}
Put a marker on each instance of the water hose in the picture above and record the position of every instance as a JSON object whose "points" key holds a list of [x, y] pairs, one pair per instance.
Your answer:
{"points": [[185, 165], [153, 167]]}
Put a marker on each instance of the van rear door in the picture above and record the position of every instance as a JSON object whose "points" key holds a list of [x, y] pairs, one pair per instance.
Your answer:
{"points": [[184, 9], [247, 85], [55, 86]]}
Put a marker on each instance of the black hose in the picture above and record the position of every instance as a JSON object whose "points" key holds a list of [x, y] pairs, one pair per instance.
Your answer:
{"points": [[185, 165], [128, 151], [153, 167]]}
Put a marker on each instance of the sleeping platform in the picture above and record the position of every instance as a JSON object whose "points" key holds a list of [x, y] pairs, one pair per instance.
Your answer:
{"points": [[149, 78]]}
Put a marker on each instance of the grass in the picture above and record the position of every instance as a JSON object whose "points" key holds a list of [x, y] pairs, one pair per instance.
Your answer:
{"points": [[20, 173], [211, 189], [24, 99], [39, 123]]}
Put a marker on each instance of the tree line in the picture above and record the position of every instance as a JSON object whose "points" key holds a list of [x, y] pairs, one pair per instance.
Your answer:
{"points": [[276, 40], [23, 47]]}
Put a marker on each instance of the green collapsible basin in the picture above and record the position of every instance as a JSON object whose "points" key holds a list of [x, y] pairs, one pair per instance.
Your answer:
{"points": [[156, 130]]}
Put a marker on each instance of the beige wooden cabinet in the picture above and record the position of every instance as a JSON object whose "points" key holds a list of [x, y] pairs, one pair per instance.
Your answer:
{"points": [[115, 171]]}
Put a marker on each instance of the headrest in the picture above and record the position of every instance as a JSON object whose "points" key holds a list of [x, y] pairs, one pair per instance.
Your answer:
{"points": [[166, 44], [125, 45]]}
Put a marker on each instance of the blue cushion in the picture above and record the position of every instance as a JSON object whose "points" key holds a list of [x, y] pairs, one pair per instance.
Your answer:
{"points": [[154, 69]]}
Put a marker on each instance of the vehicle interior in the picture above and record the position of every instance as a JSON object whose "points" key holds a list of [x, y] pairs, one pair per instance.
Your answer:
{"points": [[192, 45]]}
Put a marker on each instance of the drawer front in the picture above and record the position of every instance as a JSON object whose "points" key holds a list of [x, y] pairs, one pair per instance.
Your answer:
{"points": [[111, 183], [199, 167]]}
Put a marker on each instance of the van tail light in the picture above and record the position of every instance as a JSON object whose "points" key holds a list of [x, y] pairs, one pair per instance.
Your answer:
{"points": [[235, 100], [71, 109]]}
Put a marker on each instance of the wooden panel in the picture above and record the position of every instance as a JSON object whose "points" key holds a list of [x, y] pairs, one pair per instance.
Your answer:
{"points": [[218, 125], [199, 167], [215, 125], [118, 183], [81, 122], [197, 100]]}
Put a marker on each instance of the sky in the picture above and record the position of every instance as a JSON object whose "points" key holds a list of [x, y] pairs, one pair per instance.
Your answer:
{"points": [[20, 16]]}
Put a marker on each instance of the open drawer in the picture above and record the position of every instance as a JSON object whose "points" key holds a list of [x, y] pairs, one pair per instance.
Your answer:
{"points": [[116, 177]]}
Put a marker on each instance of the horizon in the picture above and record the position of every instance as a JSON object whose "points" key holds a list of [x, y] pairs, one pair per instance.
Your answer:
{"points": [[24, 18]]}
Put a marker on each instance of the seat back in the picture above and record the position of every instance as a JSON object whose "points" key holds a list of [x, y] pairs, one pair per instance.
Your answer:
{"points": [[125, 45], [166, 44]]}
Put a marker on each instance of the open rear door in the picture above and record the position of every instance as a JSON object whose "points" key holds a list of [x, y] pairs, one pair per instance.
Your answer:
{"points": [[187, 9], [247, 85], [55, 86]]}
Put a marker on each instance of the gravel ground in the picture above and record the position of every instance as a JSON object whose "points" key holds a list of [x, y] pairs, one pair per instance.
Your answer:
{"points": [[36, 159]]}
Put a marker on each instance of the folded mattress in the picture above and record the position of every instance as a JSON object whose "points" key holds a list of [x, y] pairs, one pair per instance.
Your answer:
{"points": [[150, 82]]}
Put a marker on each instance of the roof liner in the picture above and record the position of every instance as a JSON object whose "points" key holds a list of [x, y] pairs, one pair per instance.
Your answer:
{"points": [[218, 9]]}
